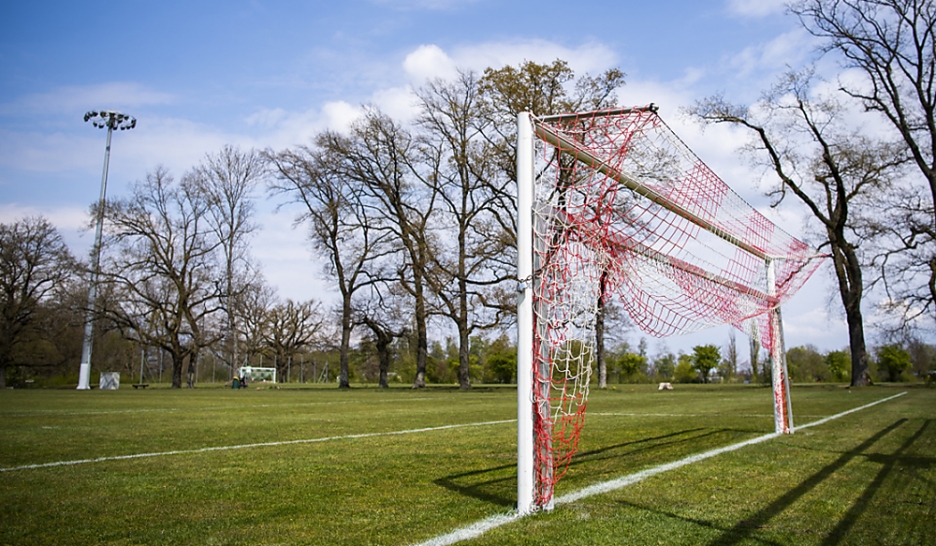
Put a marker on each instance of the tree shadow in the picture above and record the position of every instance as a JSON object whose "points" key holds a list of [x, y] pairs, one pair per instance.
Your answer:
{"points": [[699, 522], [743, 528], [888, 462]]}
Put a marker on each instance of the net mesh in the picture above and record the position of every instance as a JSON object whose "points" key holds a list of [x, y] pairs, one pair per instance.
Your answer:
{"points": [[623, 209]]}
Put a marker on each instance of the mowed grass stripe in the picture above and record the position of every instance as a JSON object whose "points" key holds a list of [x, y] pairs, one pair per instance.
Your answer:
{"points": [[39, 412], [402, 489], [253, 445], [478, 528], [263, 416]]}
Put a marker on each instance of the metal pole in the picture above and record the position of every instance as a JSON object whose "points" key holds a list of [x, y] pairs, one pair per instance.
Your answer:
{"points": [[84, 372], [525, 444]]}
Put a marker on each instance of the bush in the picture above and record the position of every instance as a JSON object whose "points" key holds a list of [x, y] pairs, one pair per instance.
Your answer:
{"points": [[892, 361], [685, 373]]}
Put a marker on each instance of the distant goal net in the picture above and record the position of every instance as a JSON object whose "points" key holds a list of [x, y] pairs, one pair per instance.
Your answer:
{"points": [[257, 373], [613, 205]]}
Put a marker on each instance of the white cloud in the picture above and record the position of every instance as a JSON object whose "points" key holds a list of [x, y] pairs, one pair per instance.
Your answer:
{"points": [[288, 262], [789, 49], [71, 222], [64, 218], [428, 62], [76, 100], [397, 102], [50, 152], [756, 8], [281, 128], [590, 57]]}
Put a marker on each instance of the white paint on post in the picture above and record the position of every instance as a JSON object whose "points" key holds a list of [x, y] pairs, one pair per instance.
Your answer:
{"points": [[525, 446], [783, 412]]}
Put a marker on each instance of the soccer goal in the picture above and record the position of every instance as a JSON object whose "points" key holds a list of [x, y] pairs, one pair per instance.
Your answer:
{"points": [[256, 373], [612, 204]]}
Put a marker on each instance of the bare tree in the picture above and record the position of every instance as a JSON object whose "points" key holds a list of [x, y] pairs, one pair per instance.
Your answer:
{"points": [[469, 269], [163, 269], [729, 367], [893, 43], [292, 326], [342, 227], [382, 314], [252, 307], [828, 167], [378, 155], [754, 346], [35, 264], [542, 89], [228, 180]]}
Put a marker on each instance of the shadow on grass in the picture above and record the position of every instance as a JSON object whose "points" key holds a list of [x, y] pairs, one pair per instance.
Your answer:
{"points": [[699, 522], [491, 489], [888, 462], [740, 532]]}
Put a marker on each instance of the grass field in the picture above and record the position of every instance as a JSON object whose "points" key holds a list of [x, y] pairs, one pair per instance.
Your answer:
{"points": [[401, 467]]}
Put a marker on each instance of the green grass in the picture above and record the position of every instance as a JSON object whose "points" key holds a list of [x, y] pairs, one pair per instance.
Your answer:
{"points": [[867, 478]]}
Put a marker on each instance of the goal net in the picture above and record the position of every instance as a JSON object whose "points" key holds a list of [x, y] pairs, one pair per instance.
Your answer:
{"points": [[613, 205], [257, 373]]}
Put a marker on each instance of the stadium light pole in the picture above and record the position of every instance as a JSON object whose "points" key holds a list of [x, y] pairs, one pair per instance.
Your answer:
{"points": [[111, 120]]}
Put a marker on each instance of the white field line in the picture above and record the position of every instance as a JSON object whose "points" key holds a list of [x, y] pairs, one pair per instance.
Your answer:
{"points": [[478, 528], [635, 414], [247, 446]]}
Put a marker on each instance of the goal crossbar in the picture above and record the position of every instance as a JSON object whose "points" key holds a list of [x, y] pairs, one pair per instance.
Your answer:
{"points": [[599, 113]]}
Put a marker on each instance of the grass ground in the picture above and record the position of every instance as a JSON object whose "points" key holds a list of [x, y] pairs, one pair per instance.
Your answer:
{"points": [[866, 478]]}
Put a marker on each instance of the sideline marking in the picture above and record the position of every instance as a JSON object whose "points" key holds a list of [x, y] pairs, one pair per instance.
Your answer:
{"points": [[246, 446], [480, 527]]}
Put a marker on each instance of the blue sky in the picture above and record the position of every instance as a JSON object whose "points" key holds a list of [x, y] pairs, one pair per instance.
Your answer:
{"points": [[269, 74]]}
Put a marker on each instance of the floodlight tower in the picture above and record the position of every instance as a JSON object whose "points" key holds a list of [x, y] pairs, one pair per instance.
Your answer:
{"points": [[111, 120]]}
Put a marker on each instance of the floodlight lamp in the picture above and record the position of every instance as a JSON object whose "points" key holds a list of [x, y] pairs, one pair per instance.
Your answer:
{"points": [[110, 119]]}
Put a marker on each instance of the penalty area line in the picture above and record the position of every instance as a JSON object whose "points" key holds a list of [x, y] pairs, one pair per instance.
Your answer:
{"points": [[480, 527], [247, 446]]}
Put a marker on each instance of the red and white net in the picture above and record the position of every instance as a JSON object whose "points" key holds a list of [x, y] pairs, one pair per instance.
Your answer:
{"points": [[624, 209]]}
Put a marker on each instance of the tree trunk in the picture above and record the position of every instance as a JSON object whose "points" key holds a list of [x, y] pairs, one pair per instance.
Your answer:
{"points": [[464, 341], [383, 355], [346, 327], [422, 339], [848, 272], [190, 380], [755, 359], [177, 362], [2, 377], [856, 343], [599, 337], [464, 355]]}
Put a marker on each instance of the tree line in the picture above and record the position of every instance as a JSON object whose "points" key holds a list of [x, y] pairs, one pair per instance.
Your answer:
{"points": [[416, 220], [908, 361]]}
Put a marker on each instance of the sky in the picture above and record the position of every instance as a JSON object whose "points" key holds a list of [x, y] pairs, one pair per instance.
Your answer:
{"points": [[198, 75]]}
